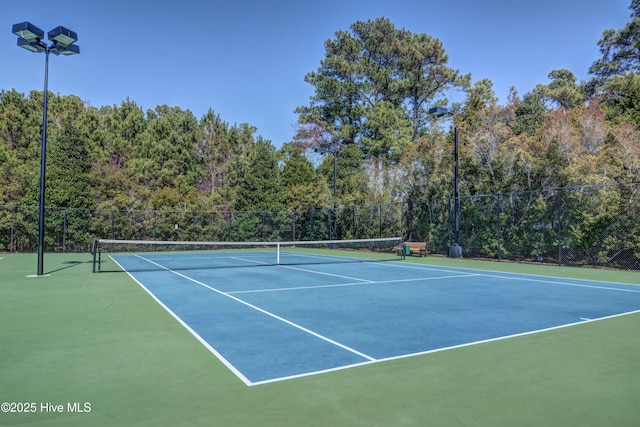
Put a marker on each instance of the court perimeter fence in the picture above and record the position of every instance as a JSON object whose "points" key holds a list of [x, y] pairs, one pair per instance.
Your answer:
{"points": [[587, 225]]}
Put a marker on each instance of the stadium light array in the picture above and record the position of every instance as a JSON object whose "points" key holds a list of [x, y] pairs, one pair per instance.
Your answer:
{"points": [[455, 250], [30, 38]]}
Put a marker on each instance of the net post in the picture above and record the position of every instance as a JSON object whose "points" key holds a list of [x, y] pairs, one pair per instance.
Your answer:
{"points": [[93, 252]]}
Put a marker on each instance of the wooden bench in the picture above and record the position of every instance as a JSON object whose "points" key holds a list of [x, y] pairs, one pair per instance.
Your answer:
{"points": [[415, 248]]}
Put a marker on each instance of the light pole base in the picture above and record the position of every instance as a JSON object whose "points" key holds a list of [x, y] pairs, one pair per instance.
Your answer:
{"points": [[455, 251]]}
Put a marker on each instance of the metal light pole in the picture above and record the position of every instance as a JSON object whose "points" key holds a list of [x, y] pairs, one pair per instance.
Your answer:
{"points": [[455, 250], [335, 176], [333, 149], [30, 38], [43, 167], [456, 194]]}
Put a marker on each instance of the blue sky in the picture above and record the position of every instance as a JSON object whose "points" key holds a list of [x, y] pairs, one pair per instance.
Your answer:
{"points": [[247, 59]]}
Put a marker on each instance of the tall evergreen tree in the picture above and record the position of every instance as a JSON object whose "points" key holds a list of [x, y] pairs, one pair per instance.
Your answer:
{"points": [[20, 139], [69, 160], [372, 71], [563, 90], [215, 151], [620, 49], [530, 113], [304, 188], [424, 75], [258, 185], [166, 152], [615, 73]]}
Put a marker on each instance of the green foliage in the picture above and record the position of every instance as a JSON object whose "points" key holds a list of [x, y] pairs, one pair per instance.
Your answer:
{"points": [[374, 85], [619, 49], [530, 114], [297, 169], [424, 75], [479, 97], [259, 187], [351, 180], [20, 139], [388, 132], [623, 98], [167, 149], [220, 149], [563, 90], [305, 190], [615, 74]]}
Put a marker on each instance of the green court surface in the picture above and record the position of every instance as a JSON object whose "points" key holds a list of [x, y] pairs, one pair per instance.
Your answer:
{"points": [[83, 349]]}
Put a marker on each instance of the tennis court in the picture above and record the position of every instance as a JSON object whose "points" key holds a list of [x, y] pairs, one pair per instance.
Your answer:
{"points": [[76, 336], [311, 313]]}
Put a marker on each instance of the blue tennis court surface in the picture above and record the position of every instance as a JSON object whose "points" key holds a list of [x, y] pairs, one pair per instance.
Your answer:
{"points": [[276, 322]]}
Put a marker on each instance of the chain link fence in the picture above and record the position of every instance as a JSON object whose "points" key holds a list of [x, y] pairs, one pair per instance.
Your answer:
{"points": [[591, 225], [578, 226], [73, 230]]}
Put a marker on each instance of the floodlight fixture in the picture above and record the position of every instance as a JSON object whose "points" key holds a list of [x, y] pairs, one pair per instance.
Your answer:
{"points": [[62, 36], [333, 149], [438, 112], [65, 50], [32, 46], [28, 31]]}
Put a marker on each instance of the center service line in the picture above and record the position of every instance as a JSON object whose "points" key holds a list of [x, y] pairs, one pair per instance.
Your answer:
{"points": [[275, 316]]}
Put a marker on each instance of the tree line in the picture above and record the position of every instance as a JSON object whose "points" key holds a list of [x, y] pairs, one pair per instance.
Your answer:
{"points": [[368, 116]]}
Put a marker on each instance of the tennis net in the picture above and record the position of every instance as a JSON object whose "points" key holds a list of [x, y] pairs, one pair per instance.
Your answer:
{"points": [[147, 255]]}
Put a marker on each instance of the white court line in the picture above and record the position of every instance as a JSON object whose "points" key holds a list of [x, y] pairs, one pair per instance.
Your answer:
{"points": [[204, 342], [527, 277], [555, 282], [509, 275], [275, 316], [323, 256], [338, 285], [326, 274], [201, 257], [249, 260], [438, 350]]}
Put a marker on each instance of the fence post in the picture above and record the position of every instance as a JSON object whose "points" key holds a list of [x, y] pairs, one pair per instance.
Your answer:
{"points": [[64, 231], [409, 217], [12, 246], [559, 227], [294, 217], [499, 227], [355, 222], [399, 220]]}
